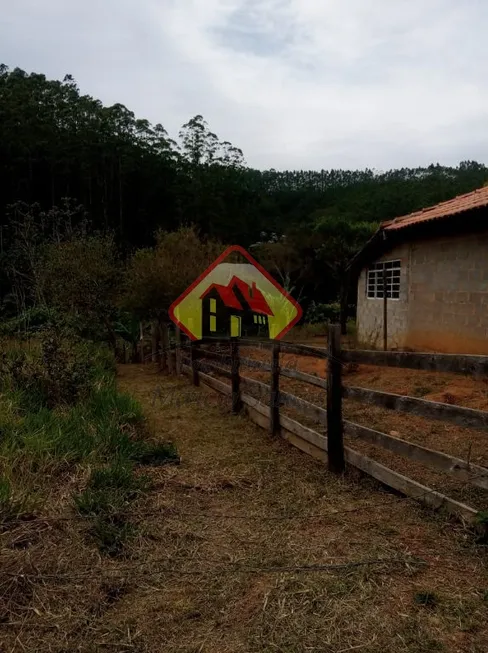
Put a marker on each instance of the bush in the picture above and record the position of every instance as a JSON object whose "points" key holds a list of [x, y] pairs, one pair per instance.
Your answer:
{"points": [[320, 313], [30, 323], [58, 376]]}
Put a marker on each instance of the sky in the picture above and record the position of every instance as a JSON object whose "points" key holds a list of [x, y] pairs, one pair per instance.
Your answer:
{"points": [[296, 84]]}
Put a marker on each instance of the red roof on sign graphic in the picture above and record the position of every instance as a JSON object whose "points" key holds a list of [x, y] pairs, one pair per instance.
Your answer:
{"points": [[253, 296]]}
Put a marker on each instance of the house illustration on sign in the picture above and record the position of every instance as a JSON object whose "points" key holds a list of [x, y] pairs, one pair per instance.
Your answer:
{"points": [[236, 310]]}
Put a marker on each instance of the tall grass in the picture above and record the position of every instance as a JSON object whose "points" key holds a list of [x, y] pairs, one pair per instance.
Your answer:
{"points": [[60, 411]]}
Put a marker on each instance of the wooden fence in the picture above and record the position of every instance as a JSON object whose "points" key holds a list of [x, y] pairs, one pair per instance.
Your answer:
{"points": [[330, 448]]}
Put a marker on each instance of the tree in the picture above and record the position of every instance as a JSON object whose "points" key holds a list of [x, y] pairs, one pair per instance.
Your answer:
{"points": [[342, 237], [156, 277], [30, 230], [281, 258], [80, 278]]}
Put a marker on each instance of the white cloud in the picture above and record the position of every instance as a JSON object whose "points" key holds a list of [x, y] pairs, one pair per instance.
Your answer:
{"points": [[295, 83]]}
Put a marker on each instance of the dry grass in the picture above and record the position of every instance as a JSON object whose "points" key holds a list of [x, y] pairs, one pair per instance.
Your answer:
{"points": [[467, 444], [224, 561]]}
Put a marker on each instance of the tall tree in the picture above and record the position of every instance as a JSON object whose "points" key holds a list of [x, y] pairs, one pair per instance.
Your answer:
{"points": [[341, 238]]}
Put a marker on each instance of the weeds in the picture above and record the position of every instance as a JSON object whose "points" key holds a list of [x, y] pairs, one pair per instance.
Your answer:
{"points": [[60, 410], [106, 499], [426, 599], [58, 376], [421, 391], [11, 506]]}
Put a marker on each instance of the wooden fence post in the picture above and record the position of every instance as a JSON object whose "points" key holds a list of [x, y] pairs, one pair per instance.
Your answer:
{"points": [[194, 362], [178, 351], [171, 358], [235, 378], [164, 347], [141, 343], [274, 402], [335, 444], [155, 339], [385, 309]]}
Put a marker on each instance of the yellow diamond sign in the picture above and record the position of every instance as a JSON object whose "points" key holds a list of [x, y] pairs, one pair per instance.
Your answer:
{"points": [[235, 299]]}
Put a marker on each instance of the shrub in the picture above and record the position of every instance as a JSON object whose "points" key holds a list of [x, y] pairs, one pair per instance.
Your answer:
{"points": [[30, 322], [59, 406], [319, 313], [59, 376]]}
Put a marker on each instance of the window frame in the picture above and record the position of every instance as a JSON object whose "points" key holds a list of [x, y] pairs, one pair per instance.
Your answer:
{"points": [[374, 280]]}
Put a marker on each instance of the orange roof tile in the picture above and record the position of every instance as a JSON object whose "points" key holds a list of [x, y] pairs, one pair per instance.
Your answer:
{"points": [[461, 203]]}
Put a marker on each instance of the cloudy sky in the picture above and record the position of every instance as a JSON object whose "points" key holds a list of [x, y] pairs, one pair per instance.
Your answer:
{"points": [[294, 83]]}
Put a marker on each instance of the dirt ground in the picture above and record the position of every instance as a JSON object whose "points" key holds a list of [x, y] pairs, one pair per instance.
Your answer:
{"points": [[249, 546], [467, 444]]}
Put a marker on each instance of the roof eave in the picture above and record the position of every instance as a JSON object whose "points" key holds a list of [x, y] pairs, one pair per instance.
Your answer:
{"points": [[356, 263]]}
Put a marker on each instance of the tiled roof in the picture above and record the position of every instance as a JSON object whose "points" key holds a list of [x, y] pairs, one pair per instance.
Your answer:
{"points": [[253, 296], [461, 203], [226, 295]]}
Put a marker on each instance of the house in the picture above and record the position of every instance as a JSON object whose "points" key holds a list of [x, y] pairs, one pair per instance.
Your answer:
{"points": [[435, 262], [235, 310]]}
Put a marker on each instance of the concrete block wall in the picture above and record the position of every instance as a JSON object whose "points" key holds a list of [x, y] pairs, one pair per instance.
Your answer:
{"points": [[370, 311], [443, 303], [448, 302]]}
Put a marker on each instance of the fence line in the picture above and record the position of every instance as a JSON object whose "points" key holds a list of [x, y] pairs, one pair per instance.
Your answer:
{"points": [[330, 448]]}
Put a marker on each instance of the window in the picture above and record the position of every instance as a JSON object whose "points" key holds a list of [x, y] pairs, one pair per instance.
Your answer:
{"points": [[213, 323], [374, 288], [213, 305]]}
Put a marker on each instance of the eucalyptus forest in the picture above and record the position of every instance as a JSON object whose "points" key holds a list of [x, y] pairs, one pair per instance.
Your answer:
{"points": [[74, 170]]}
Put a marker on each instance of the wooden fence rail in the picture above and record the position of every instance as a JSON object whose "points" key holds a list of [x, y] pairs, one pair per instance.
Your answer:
{"points": [[330, 448]]}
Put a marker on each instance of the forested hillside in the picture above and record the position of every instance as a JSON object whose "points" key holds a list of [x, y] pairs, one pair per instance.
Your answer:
{"points": [[131, 178]]}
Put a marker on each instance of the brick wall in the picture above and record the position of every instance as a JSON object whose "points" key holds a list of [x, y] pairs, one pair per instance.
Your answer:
{"points": [[444, 298]]}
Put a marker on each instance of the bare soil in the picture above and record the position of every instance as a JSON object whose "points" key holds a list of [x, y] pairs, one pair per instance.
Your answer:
{"points": [[467, 444]]}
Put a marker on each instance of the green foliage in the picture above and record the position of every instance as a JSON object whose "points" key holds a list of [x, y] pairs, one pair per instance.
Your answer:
{"points": [[109, 490], [11, 506], [482, 517], [92, 267], [29, 322], [156, 277], [132, 180], [106, 499], [111, 534], [59, 407], [320, 313], [59, 376]]}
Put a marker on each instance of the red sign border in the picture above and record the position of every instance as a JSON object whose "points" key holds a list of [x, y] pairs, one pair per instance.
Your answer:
{"points": [[224, 255]]}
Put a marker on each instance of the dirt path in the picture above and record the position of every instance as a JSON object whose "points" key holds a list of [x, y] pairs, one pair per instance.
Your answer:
{"points": [[237, 526]]}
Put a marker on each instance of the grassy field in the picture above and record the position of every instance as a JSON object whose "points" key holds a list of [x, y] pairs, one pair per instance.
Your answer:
{"points": [[72, 449], [246, 546]]}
